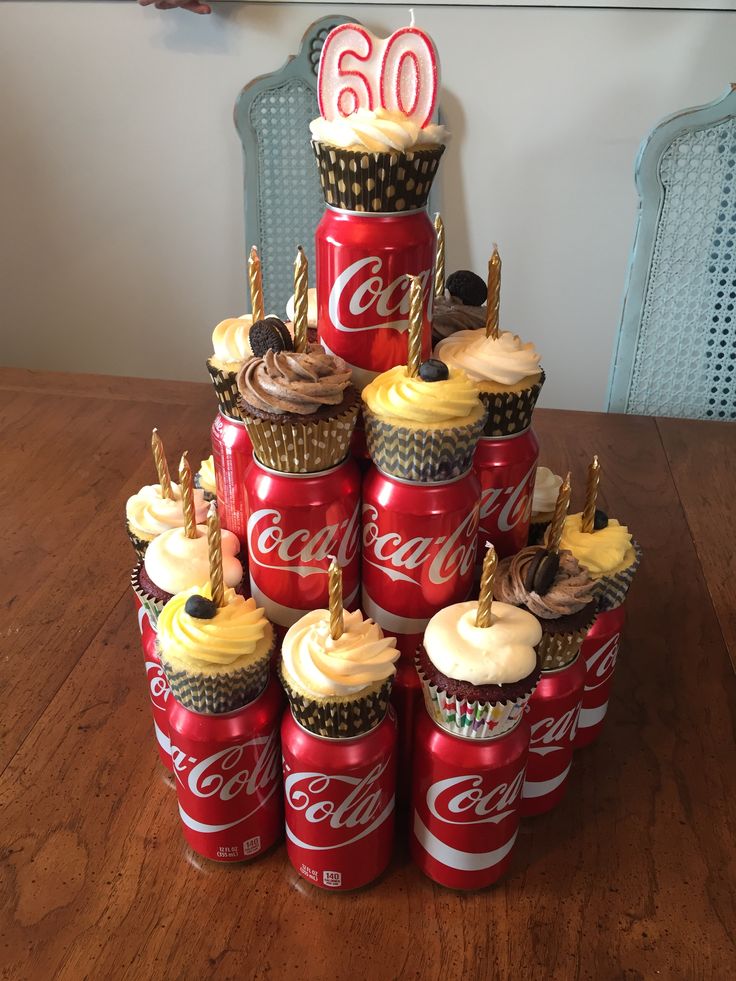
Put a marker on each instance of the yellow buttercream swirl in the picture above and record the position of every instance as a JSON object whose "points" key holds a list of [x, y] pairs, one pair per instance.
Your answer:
{"points": [[237, 634], [603, 552], [324, 667], [207, 475], [395, 393]]}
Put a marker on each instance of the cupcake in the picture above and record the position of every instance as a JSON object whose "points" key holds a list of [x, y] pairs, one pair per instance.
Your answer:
{"points": [[376, 160], [216, 658], [148, 514], [235, 341], [477, 680], [204, 479], [609, 553], [299, 409], [460, 307], [546, 488], [174, 563], [423, 427], [506, 370], [338, 687], [311, 314], [558, 591]]}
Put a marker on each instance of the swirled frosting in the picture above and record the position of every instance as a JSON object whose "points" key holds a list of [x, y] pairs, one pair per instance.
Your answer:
{"points": [[237, 634], [174, 562], [505, 360], [207, 475], [496, 655], [546, 488], [230, 339], [603, 552], [376, 130], [286, 381], [324, 667], [151, 514], [451, 315], [395, 393], [311, 308], [571, 589]]}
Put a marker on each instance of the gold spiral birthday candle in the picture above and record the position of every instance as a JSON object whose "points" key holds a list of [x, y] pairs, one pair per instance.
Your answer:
{"points": [[591, 496], [256, 284], [558, 518], [162, 467], [187, 497], [493, 302], [301, 285], [483, 617], [439, 268], [416, 299], [214, 544], [337, 623]]}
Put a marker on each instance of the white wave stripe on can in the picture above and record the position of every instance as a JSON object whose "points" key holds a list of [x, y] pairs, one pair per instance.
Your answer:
{"points": [[392, 622], [163, 740], [195, 825], [285, 616], [591, 717], [454, 858], [540, 788], [385, 813]]}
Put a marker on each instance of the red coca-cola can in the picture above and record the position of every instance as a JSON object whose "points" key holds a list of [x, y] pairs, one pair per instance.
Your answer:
{"points": [[232, 452], [600, 651], [419, 543], [466, 800], [552, 713], [140, 612], [159, 692], [228, 777], [506, 467], [296, 524], [339, 798], [362, 288]]}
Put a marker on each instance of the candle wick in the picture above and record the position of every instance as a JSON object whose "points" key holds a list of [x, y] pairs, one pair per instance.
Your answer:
{"points": [[411, 15]]}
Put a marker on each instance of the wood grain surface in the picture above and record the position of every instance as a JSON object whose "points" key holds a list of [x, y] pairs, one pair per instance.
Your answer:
{"points": [[633, 876]]}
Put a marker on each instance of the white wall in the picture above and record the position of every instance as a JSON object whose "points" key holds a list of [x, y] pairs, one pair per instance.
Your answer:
{"points": [[121, 240]]}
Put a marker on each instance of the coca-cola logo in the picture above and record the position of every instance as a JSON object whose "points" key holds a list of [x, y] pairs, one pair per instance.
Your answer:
{"points": [[550, 734], [510, 505], [350, 806], [466, 799], [360, 299], [301, 550], [157, 684], [601, 663], [405, 559], [251, 768]]}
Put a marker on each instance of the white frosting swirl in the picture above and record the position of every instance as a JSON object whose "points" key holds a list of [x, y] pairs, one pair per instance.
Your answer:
{"points": [[311, 309], [175, 563], [231, 339], [376, 130], [324, 667], [505, 360], [150, 513], [546, 488], [495, 655]]}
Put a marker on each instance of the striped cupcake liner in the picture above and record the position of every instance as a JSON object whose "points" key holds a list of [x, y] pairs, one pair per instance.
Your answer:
{"points": [[218, 693], [150, 604], [383, 182], [510, 412], [470, 719], [338, 719], [226, 390], [421, 455], [612, 590], [559, 650], [139, 544]]}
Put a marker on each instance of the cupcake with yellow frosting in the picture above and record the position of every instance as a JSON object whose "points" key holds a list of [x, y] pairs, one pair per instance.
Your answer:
{"points": [[608, 552], [216, 658], [477, 680], [338, 687], [423, 427], [149, 514], [204, 479], [506, 370]]}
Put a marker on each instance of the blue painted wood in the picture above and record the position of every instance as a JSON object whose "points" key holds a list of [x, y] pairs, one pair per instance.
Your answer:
{"points": [[676, 348]]}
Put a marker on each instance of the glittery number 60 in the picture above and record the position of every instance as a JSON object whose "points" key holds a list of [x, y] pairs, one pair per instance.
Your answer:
{"points": [[398, 73]]}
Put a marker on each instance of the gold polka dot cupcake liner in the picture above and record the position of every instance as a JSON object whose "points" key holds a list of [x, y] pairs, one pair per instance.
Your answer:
{"points": [[226, 390], [338, 718], [558, 650], [383, 182], [510, 412]]}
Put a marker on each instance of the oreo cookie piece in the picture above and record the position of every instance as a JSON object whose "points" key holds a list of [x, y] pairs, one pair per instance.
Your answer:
{"points": [[270, 334], [541, 572], [467, 287], [600, 520]]}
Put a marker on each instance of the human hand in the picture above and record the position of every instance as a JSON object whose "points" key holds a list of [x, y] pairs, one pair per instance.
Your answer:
{"points": [[192, 5]]}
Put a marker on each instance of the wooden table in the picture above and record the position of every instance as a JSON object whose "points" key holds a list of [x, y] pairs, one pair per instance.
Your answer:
{"points": [[633, 876]]}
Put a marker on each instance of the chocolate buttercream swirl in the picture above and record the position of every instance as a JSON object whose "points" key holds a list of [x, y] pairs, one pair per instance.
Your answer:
{"points": [[571, 589], [451, 314], [286, 381]]}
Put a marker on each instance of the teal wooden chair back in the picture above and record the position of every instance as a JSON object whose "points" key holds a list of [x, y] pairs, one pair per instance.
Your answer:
{"points": [[283, 197], [676, 350]]}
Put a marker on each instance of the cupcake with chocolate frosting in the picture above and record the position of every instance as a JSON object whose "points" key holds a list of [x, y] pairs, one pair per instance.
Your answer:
{"points": [[460, 307], [299, 409], [338, 687], [558, 591]]}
